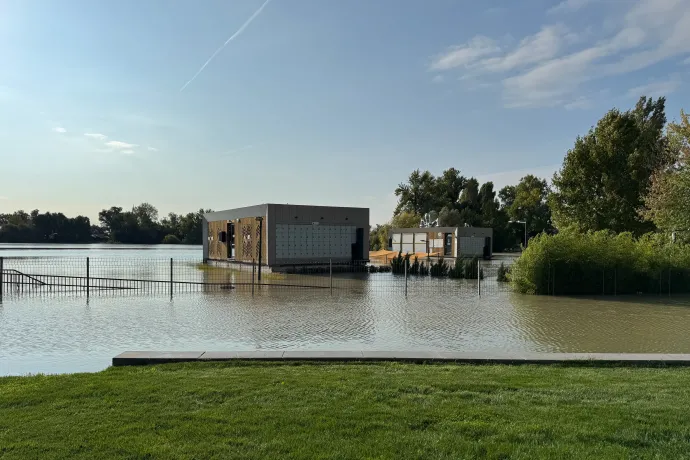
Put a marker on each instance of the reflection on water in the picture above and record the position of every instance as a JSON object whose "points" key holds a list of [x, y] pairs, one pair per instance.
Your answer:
{"points": [[67, 333], [624, 324]]}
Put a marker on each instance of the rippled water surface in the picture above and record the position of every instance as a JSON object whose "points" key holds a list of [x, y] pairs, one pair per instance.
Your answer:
{"points": [[68, 333]]}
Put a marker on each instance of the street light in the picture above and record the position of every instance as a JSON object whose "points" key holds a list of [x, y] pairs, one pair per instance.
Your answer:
{"points": [[521, 222]]}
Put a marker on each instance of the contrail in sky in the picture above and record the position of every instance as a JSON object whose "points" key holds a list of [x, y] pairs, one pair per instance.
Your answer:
{"points": [[234, 36]]}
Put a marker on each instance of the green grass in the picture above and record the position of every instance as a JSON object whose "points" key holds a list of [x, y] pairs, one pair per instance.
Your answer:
{"points": [[396, 411]]}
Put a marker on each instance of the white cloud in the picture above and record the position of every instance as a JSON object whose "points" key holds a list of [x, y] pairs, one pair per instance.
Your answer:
{"points": [[120, 145], [438, 78], [582, 102], [656, 88], [466, 54], [59, 129], [127, 151], [99, 136], [532, 49], [152, 149], [567, 6], [551, 67]]}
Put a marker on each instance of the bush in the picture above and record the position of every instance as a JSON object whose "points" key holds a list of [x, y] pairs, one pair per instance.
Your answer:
{"points": [[171, 239], [439, 268], [470, 269], [414, 268], [571, 263], [423, 270], [502, 274], [458, 270], [399, 262]]}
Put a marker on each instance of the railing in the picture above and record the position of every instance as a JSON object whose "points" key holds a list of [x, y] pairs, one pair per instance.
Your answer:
{"points": [[27, 275]]}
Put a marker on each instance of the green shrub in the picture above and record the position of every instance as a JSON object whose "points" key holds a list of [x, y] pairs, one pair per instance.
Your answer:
{"points": [[439, 268], [399, 262], [470, 269], [572, 263], [458, 270], [424, 269], [171, 239], [414, 268], [502, 273]]}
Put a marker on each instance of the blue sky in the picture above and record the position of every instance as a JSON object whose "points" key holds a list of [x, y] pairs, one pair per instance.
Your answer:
{"points": [[314, 101]]}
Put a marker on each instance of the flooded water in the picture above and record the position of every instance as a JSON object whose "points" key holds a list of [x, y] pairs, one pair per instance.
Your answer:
{"points": [[51, 333], [101, 250]]}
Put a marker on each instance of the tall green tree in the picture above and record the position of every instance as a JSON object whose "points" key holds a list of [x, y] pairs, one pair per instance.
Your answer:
{"points": [[667, 204], [449, 186], [507, 196], [418, 195], [378, 237], [449, 217], [406, 220], [678, 134], [470, 194], [606, 175], [528, 203]]}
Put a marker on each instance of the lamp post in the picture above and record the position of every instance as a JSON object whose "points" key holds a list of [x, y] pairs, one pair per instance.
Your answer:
{"points": [[521, 222], [260, 220]]}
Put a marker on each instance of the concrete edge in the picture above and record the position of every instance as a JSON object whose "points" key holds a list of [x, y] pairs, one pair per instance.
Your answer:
{"points": [[134, 358]]}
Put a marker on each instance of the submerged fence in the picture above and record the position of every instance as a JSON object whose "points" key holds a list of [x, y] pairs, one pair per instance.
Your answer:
{"points": [[100, 276]]}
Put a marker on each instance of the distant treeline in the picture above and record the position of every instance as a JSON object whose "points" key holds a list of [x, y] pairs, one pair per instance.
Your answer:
{"points": [[138, 226]]}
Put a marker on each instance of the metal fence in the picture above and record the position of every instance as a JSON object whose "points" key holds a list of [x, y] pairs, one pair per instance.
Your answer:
{"points": [[134, 276]]}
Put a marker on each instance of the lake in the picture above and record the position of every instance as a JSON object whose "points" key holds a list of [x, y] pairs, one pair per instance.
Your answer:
{"points": [[66, 332]]}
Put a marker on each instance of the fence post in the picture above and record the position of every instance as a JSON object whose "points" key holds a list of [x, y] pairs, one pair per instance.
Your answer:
{"points": [[253, 269], [615, 281], [2, 274], [88, 277], [479, 278], [603, 282], [669, 281], [171, 277], [405, 263], [330, 273]]}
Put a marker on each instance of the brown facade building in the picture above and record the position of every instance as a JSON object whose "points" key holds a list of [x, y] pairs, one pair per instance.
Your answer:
{"points": [[287, 235]]}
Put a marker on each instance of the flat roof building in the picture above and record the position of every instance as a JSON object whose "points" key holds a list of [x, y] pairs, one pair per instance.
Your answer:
{"points": [[287, 234], [443, 241]]}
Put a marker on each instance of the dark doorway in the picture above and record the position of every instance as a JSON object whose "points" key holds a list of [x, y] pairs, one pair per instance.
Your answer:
{"points": [[448, 244], [358, 247], [231, 240], [487, 248]]}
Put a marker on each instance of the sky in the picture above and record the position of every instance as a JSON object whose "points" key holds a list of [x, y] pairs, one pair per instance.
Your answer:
{"points": [[220, 104]]}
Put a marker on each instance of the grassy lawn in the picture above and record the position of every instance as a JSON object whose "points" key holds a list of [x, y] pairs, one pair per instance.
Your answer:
{"points": [[396, 411]]}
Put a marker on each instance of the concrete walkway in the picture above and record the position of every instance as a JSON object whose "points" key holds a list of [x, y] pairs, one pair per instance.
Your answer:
{"points": [[132, 358]]}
